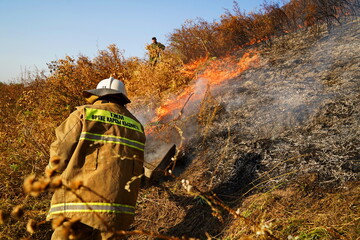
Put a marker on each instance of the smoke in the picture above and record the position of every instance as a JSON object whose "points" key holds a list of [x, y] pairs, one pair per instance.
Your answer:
{"points": [[285, 106], [171, 130], [286, 91], [144, 112], [155, 150], [270, 97], [174, 122], [197, 95]]}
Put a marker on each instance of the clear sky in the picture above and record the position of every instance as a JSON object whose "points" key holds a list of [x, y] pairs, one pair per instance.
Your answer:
{"points": [[36, 32]]}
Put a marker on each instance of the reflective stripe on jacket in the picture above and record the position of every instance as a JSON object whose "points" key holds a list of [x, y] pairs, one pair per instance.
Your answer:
{"points": [[91, 207], [101, 145]]}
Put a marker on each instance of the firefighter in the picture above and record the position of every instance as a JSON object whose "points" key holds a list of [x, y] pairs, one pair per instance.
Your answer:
{"points": [[99, 152], [155, 49]]}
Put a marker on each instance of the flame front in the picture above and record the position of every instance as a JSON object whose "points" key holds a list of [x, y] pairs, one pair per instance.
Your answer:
{"points": [[216, 73]]}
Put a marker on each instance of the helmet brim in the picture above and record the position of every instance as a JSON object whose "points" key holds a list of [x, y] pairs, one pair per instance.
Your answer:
{"points": [[101, 92]]}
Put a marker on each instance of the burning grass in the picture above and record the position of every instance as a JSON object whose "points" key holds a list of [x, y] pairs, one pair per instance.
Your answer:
{"points": [[217, 72], [267, 136]]}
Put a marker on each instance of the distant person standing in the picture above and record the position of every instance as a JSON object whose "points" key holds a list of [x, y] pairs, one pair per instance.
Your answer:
{"points": [[155, 49]]}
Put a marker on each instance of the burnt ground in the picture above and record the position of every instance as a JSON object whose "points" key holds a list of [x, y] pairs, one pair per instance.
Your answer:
{"points": [[294, 119], [298, 112]]}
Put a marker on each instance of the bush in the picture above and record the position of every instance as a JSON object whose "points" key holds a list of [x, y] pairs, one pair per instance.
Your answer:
{"points": [[199, 38]]}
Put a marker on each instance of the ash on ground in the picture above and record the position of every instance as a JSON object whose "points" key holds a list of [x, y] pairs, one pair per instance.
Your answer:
{"points": [[298, 113]]}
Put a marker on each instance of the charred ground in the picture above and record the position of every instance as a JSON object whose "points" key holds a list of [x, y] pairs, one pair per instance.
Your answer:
{"points": [[280, 143]]}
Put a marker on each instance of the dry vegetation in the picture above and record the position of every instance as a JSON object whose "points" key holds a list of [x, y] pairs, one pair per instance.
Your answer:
{"points": [[252, 173]]}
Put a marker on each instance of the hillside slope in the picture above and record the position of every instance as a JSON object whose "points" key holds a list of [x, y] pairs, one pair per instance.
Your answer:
{"points": [[268, 140], [280, 139]]}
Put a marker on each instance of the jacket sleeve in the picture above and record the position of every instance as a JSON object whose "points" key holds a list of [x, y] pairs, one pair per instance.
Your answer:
{"points": [[67, 138]]}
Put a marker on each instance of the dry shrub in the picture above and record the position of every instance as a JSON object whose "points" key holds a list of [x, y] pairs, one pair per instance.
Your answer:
{"points": [[195, 39], [148, 81], [305, 13], [200, 38]]}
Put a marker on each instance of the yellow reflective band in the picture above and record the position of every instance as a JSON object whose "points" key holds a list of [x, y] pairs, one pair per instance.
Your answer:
{"points": [[91, 207], [100, 115], [89, 211], [112, 139], [93, 204]]}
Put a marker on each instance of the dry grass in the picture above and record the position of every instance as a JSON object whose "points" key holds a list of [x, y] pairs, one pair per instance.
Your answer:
{"points": [[238, 29], [228, 147], [303, 212]]}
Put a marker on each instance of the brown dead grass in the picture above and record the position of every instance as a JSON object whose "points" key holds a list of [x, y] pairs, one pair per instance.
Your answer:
{"points": [[297, 211]]}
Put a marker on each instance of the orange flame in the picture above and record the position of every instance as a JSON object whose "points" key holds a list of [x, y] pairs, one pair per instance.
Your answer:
{"points": [[216, 73]]}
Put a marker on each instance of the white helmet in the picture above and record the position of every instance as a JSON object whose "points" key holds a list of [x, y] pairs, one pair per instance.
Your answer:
{"points": [[109, 86]]}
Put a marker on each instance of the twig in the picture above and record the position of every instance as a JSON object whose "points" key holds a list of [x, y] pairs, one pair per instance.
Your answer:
{"points": [[35, 143], [182, 109]]}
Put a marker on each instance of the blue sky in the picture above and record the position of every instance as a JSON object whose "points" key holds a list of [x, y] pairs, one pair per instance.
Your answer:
{"points": [[36, 32]]}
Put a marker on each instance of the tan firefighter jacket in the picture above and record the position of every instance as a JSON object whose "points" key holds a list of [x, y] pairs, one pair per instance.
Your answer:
{"points": [[101, 145]]}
